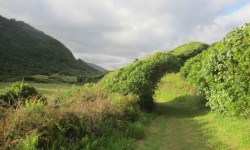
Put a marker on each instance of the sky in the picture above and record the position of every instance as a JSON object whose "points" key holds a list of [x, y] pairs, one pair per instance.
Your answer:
{"points": [[113, 33]]}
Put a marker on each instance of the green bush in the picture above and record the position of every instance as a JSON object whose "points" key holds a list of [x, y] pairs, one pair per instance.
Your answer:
{"points": [[18, 92], [141, 77], [223, 75], [189, 50]]}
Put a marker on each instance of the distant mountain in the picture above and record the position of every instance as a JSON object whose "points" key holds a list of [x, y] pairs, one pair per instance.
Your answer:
{"points": [[100, 69], [25, 50]]}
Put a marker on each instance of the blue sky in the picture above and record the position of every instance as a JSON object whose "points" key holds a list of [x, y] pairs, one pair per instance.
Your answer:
{"points": [[113, 33], [236, 7]]}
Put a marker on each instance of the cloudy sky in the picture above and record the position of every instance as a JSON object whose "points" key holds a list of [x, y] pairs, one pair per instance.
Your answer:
{"points": [[112, 33]]}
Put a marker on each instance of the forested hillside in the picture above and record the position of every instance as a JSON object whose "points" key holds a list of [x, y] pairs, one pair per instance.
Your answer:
{"points": [[26, 51]]}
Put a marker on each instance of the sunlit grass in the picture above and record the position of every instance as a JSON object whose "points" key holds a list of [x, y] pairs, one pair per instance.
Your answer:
{"points": [[185, 123], [172, 86], [233, 133]]}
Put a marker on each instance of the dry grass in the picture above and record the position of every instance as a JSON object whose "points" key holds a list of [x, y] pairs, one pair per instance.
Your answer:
{"points": [[85, 109]]}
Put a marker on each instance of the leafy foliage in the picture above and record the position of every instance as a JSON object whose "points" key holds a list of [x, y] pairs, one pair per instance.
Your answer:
{"points": [[18, 92], [189, 50], [222, 73], [26, 51], [141, 77], [30, 142]]}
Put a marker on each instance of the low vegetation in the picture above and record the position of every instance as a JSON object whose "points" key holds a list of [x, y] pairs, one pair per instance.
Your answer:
{"points": [[18, 93], [60, 78], [78, 118]]}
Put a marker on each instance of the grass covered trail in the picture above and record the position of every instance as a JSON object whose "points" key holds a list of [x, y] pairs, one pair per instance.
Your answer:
{"points": [[183, 122]]}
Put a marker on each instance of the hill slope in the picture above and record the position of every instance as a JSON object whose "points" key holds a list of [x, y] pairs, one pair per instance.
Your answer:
{"points": [[27, 51]]}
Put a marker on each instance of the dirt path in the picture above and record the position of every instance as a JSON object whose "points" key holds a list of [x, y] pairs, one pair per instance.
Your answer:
{"points": [[175, 128]]}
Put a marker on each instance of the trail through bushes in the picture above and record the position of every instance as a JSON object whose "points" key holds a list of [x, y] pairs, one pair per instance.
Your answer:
{"points": [[141, 77], [222, 74]]}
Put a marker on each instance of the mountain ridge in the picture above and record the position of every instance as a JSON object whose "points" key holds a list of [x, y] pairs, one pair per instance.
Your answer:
{"points": [[99, 68]]}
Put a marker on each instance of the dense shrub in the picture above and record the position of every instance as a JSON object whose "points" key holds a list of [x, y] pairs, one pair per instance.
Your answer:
{"points": [[18, 92], [88, 119], [141, 77], [189, 50], [223, 75]]}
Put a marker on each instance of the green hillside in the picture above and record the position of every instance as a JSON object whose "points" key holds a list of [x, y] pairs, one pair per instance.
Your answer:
{"points": [[27, 51]]}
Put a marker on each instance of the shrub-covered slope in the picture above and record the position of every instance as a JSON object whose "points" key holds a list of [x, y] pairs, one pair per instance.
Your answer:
{"points": [[27, 51], [141, 77], [222, 73], [189, 50]]}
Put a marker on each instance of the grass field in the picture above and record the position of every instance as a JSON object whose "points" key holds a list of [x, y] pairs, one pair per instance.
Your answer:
{"points": [[183, 122], [47, 89]]}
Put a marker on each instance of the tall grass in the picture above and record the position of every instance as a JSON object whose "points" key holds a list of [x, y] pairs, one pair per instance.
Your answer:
{"points": [[79, 118]]}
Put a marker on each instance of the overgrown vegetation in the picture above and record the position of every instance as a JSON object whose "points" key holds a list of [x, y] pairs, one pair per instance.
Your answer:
{"points": [[222, 74], [141, 77], [79, 118], [18, 93], [108, 115]]}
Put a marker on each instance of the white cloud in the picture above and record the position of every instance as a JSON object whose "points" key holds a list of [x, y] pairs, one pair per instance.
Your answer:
{"points": [[222, 25], [113, 33]]}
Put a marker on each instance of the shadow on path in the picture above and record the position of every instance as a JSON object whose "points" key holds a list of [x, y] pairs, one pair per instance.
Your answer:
{"points": [[183, 107], [175, 127]]}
